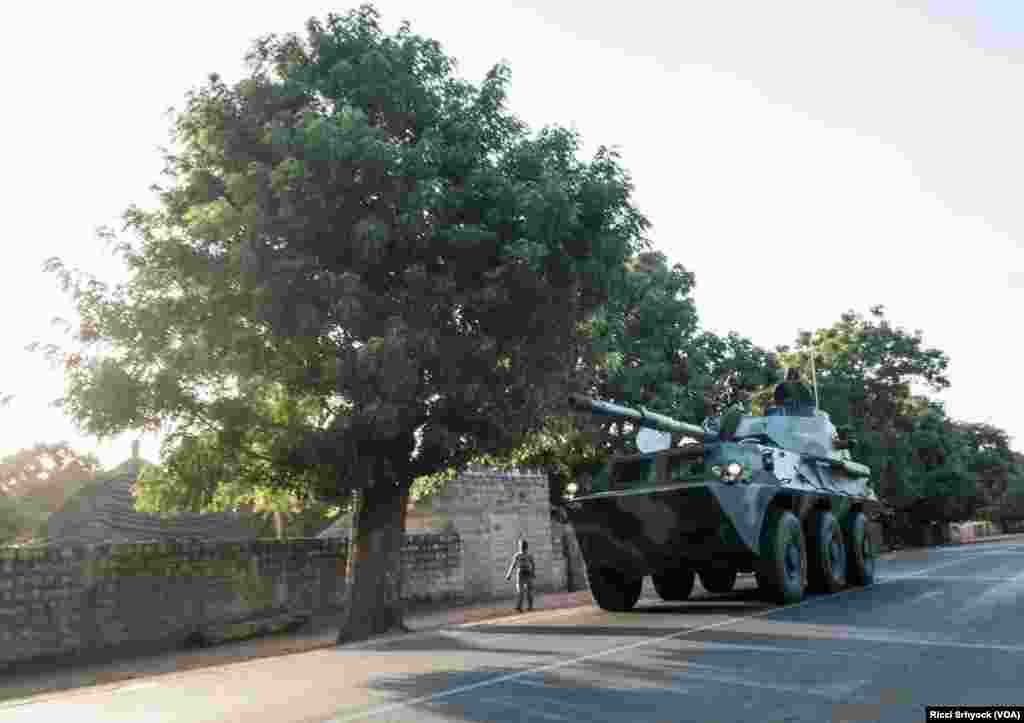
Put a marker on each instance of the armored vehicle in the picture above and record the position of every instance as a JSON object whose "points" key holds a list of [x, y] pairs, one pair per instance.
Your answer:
{"points": [[776, 495]]}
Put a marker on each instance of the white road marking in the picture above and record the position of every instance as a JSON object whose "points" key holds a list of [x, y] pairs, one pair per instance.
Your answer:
{"points": [[533, 684], [1009, 589], [623, 648], [927, 596]]}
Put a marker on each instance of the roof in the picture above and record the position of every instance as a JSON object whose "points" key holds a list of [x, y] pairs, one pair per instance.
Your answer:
{"points": [[104, 511]]}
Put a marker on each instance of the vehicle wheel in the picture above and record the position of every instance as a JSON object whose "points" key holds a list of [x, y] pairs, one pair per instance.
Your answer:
{"points": [[614, 591], [826, 554], [718, 580], [674, 585], [781, 571], [861, 550]]}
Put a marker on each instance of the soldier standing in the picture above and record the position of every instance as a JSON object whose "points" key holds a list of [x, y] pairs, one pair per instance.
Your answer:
{"points": [[793, 393], [523, 561]]}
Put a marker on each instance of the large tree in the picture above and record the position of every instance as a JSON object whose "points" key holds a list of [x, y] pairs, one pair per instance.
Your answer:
{"points": [[384, 245]]}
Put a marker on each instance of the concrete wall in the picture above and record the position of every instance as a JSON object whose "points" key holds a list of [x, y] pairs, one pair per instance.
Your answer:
{"points": [[58, 601]]}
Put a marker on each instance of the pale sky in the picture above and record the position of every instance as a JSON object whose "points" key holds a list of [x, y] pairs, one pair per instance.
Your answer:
{"points": [[802, 158]]}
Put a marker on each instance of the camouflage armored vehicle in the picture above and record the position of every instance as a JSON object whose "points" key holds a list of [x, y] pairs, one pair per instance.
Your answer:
{"points": [[776, 495]]}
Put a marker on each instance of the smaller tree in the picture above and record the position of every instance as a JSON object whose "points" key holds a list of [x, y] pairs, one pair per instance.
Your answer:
{"points": [[12, 520], [232, 469], [990, 461], [37, 481], [643, 347], [729, 372], [866, 371]]}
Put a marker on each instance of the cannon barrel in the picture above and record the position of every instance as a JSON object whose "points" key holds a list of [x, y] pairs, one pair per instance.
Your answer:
{"points": [[640, 417]]}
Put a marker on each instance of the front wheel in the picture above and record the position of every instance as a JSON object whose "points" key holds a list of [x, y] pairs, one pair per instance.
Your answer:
{"points": [[718, 580], [614, 591], [674, 585], [861, 551], [781, 571]]}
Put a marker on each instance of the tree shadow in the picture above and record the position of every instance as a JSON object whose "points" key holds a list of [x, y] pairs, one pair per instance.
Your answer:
{"points": [[598, 690], [497, 695]]}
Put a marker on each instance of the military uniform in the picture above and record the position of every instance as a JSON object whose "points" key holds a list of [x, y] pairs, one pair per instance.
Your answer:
{"points": [[523, 562], [793, 394]]}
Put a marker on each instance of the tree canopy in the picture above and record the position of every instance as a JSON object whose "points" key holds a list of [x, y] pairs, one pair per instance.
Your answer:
{"points": [[381, 247], [875, 379]]}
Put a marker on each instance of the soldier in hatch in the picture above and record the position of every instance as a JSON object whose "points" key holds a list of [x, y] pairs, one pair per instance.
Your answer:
{"points": [[523, 561], [793, 393]]}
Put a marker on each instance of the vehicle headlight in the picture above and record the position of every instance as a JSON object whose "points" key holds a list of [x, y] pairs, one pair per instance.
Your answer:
{"points": [[571, 488], [731, 472]]}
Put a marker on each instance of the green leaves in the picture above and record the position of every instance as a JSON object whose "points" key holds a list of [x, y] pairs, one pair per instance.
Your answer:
{"points": [[931, 466], [353, 247]]}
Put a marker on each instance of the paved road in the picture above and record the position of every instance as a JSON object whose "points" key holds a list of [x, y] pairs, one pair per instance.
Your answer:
{"points": [[942, 627]]}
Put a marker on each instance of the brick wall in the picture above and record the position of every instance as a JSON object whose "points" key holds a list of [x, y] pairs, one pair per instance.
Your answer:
{"points": [[61, 600]]}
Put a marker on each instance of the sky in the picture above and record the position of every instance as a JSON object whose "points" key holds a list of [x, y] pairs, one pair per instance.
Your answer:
{"points": [[801, 158]]}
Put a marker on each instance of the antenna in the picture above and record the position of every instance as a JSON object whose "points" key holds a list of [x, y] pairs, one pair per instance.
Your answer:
{"points": [[814, 380]]}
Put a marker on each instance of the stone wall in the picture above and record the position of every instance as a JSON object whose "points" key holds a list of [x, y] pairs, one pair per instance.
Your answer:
{"points": [[59, 601], [432, 568], [491, 510]]}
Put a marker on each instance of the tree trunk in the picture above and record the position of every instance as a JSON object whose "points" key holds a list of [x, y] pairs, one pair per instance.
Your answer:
{"points": [[279, 524], [374, 595]]}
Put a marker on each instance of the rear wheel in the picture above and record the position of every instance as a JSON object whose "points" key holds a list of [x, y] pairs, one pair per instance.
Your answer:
{"points": [[826, 554], [613, 590], [781, 571], [861, 550], [674, 585], [718, 580]]}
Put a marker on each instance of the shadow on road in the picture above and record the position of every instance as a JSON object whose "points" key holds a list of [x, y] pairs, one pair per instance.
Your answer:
{"points": [[616, 693], [614, 690]]}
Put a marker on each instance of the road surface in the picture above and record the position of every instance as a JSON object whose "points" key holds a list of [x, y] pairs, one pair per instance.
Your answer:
{"points": [[943, 626]]}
